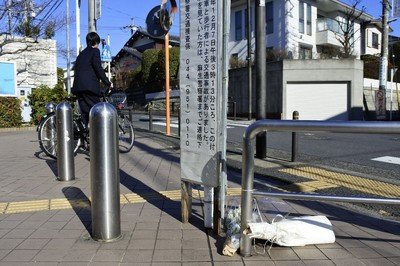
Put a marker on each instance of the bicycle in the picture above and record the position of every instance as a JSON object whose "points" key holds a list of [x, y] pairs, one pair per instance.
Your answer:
{"points": [[47, 133]]}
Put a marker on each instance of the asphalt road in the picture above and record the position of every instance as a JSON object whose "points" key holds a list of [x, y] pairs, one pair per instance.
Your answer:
{"points": [[351, 152]]}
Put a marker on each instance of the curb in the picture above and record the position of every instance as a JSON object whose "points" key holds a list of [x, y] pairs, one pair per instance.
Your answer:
{"points": [[18, 129]]}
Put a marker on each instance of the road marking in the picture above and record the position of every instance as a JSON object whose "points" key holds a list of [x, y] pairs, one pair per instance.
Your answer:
{"points": [[308, 186], [349, 181], [388, 159], [63, 203]]}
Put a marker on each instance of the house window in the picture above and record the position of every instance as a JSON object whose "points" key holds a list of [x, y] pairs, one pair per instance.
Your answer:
{"points": [[301, 16], [269, 17], [305, 52], [375, 40], [238, 25], [309, 29]]}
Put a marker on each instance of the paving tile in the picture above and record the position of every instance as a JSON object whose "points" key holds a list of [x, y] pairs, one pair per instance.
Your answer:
{"points": [[364, 253], [289, 263], [50, 255], [4, 252], [8, 224], [109, 255], [3, 232], [86, 244], [138, 256], [195, 255], [278, 253], [167, 263], [318, 262], [146, 226], [62, 244], [44, 233], [377, 262], [348, 262], [194, 234], [79, 255], [333, 253], [167, 255], [142, 244], [169, 234], [187, 263], [194, 244], [144, 234], [309, 254], [350, 243], [19, 233], [30, 224], [228, 263], [10, 243], [168, 244], [33, 243], [395, 260], [69, 263], [21, 255]]}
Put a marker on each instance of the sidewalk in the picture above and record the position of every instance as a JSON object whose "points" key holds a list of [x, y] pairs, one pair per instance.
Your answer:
{"points": [[47, 222]]}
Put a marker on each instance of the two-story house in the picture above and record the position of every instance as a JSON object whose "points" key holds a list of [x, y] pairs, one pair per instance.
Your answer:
{"points": [[304, 29]]}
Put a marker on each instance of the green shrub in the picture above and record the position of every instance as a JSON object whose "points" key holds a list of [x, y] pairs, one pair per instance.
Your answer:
{"points": [[10, 112], [43, 95]]}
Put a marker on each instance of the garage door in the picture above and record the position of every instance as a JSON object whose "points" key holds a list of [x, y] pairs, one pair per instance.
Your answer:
{"points": [[317, 101]]}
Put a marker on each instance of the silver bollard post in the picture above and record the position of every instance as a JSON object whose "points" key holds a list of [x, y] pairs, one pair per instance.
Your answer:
{"points": [[104, 173], [51, 131], [65, 139]]}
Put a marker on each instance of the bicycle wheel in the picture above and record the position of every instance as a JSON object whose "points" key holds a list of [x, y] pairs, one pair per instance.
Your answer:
{"points": [[48, 137], [126, 136]]}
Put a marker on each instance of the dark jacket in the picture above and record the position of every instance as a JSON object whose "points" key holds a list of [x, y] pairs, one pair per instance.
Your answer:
{"points": [[88, 72]]}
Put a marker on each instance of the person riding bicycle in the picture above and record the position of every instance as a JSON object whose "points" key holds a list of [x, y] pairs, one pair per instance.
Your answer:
{"points": [[88, 72]]}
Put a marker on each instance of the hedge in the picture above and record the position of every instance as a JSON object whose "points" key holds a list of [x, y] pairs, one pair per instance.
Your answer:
{"points": [[10, 112], [43, 95]]}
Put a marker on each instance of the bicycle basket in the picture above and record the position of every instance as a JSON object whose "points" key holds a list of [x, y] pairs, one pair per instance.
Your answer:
{"points": [[117, 99]]}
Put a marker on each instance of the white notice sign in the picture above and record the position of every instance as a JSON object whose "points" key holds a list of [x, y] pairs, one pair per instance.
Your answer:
{"points": [[200, 89]]}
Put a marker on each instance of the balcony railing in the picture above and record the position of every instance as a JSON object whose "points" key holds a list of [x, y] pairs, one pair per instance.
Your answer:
{"points": [[324, 24]]}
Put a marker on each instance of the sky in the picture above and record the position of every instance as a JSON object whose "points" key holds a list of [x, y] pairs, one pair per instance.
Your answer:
{"points": [[117, 14]]}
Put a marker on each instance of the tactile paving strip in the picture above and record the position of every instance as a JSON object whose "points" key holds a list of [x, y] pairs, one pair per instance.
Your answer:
{"points": [[345, 180], [63, 203]]}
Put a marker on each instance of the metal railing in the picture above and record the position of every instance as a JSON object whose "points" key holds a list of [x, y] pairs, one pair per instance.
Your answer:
{"points": [[296, 126]]}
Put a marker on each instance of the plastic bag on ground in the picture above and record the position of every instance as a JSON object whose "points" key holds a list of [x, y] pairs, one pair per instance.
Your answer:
{"points": [[298, 231]]}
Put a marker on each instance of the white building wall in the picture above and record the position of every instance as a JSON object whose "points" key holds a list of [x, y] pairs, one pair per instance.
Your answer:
{"points": [[368, 40], [36, 61]]}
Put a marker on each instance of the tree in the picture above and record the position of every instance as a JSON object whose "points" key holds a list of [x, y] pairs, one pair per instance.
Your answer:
{"points": [[347, 30]]}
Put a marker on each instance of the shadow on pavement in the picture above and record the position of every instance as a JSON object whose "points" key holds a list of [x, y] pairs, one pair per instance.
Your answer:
{"points": [[80, 204], [52, 163], [153, 197]]}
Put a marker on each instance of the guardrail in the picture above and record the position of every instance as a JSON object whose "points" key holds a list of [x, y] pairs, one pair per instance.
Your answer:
{"points": [[296, 126]]}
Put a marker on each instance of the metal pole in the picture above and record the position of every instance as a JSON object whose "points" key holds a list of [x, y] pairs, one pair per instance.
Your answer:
{"points": [[391, 92], [261, 81], [383, 63], [65, 139], [186, 201], [51, 131], [150, 116], [78, 25], [179, 120], [167, 111], [104, 173], [68, 51], [208, 206], [92, 20], [249, 74], [294, 138]]}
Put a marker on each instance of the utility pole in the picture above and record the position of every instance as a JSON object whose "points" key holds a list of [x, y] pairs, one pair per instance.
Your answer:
{"points": [[261, 80], [78, 25], [9, 13], [68, 52], [91, 17], [249, 74], [383, 62]]}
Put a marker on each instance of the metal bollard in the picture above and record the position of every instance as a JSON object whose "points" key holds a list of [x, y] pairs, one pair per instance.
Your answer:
{"points": [[50, 108], [179, 121], [51, 131], [104, 173], [151, 116], [294, 138], [65, 139]]}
